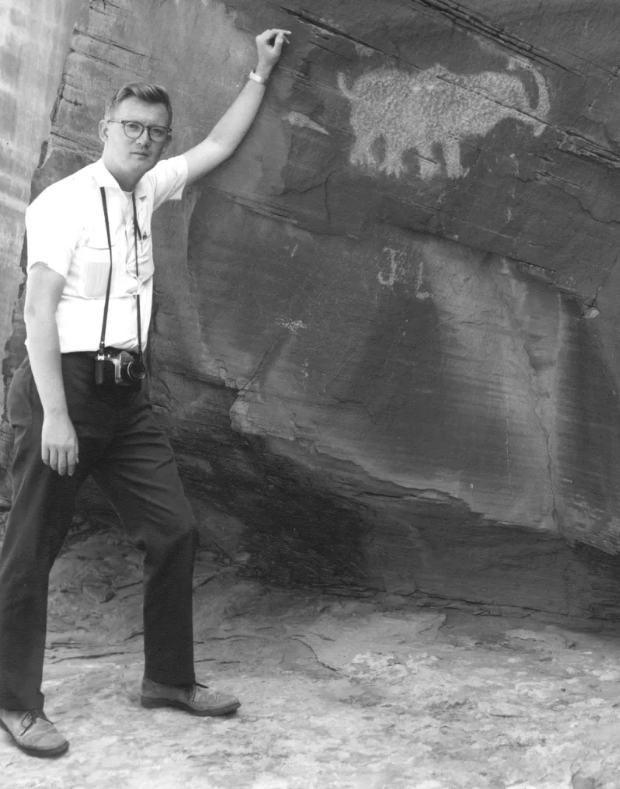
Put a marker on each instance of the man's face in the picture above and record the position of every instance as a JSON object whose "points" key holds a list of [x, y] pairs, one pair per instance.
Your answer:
{"points": [[131, 158]]}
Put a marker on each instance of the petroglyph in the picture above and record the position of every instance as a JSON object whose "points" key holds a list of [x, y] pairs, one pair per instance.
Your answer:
{"points": [[420, 294], [396, 263], [435, 111], [299, 119], [292, 326], [398, 272]]}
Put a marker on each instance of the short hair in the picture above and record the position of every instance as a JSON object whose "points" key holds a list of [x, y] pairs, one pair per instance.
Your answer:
{"points": [[151, 94]]}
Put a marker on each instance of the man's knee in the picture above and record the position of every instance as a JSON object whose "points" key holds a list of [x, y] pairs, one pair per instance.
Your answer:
{"points": [[187, 532], [168, 534]]}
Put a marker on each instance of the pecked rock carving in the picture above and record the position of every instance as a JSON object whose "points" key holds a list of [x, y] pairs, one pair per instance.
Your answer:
{"points": [[435, 108]]}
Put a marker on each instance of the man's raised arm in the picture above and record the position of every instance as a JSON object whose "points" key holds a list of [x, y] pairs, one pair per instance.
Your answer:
{"points": [[234, 124]]}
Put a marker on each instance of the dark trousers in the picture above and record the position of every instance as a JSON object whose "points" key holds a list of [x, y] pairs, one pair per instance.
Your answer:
{"points": [[129, 456]]}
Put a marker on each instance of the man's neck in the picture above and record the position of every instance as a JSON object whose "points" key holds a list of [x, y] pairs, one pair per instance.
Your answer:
{"points": [[126, 182]]}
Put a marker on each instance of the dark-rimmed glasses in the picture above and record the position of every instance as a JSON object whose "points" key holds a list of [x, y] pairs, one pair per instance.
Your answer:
{"points": [[134, 129]]}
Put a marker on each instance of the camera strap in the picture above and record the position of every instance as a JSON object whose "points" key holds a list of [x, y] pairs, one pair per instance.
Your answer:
{"points": [[109, 286], [135, 248]]}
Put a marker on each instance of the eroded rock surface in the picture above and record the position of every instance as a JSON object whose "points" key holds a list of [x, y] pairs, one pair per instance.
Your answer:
{"points": [[336, 693], [384, 343]]}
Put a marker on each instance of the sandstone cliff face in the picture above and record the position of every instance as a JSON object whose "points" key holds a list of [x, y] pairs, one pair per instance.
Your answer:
{"points": [[34, 38], [385, 338]]}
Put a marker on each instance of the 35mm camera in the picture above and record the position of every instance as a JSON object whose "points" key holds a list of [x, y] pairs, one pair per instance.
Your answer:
{"points": [[119, 368]]}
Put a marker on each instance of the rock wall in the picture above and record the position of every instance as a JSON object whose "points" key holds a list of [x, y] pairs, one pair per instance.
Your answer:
{"points": [[385, 337], [34, 38]]}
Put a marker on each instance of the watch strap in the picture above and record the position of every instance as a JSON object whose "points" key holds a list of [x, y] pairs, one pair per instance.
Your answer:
{"points": [[257, 78]]}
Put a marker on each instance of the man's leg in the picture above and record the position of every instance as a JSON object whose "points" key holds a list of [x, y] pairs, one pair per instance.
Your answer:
{"points": [[38, 523], [40, 517], [140, 476], [41, 514]]}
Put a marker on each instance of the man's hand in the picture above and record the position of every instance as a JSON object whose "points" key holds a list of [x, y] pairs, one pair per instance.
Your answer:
{"points": [[59, 444], [269, 46]]}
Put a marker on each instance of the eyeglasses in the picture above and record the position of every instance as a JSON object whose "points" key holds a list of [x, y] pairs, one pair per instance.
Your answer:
{"points": [[134, 129]]}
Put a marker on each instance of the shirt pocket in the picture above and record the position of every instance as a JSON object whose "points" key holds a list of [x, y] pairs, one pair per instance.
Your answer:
{"points": [[92, 270]]}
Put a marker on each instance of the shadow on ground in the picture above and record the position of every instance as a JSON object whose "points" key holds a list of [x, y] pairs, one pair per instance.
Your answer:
{"points": [[377, 693]]}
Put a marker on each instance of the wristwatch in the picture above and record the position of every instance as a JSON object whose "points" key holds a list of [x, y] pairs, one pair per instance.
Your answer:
{"points": [[257, 78]]}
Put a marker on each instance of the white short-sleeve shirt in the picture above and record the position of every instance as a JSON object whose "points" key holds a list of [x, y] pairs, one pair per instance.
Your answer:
{"points": [[66, 230]]}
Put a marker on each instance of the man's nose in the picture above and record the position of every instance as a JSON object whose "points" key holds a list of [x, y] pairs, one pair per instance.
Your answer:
{"points": [[144, 138]]}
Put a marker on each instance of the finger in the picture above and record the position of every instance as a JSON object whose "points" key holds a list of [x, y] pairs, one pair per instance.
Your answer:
{"points": [[72, 460], [53, 459], [62, 462], [278, 43], [280, 35], [45, 454], [267, 35]]}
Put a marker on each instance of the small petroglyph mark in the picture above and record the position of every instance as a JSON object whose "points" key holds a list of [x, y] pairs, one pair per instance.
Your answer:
{"points": [[299, 119], [434, 112], [419, 293], [395, 261], [398, 272], [292, 326]]}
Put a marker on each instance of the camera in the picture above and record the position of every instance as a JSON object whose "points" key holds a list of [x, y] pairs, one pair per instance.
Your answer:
{"points": [[119, 368]]}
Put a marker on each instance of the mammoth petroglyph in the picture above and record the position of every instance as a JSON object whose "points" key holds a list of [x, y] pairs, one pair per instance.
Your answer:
{"points": [[435, 108]]}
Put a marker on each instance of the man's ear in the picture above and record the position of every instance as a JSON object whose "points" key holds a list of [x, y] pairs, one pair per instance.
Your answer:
{"points": [[103, 131]]}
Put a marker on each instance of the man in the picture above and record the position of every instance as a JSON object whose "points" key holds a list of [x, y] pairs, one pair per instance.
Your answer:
{"points": [[79, 406]]}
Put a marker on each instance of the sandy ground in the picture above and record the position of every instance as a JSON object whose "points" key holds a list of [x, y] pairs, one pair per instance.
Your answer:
{"points": [[378, 693]]}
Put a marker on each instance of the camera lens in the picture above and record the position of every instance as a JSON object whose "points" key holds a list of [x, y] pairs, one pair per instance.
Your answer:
{"points": [[136, 371]]}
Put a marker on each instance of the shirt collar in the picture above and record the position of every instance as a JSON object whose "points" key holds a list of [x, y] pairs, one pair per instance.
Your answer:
{"points": [[103, 177]]}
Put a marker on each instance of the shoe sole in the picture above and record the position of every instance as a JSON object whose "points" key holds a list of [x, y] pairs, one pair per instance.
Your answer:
{"points": [[151, 704], [49, 753]]}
